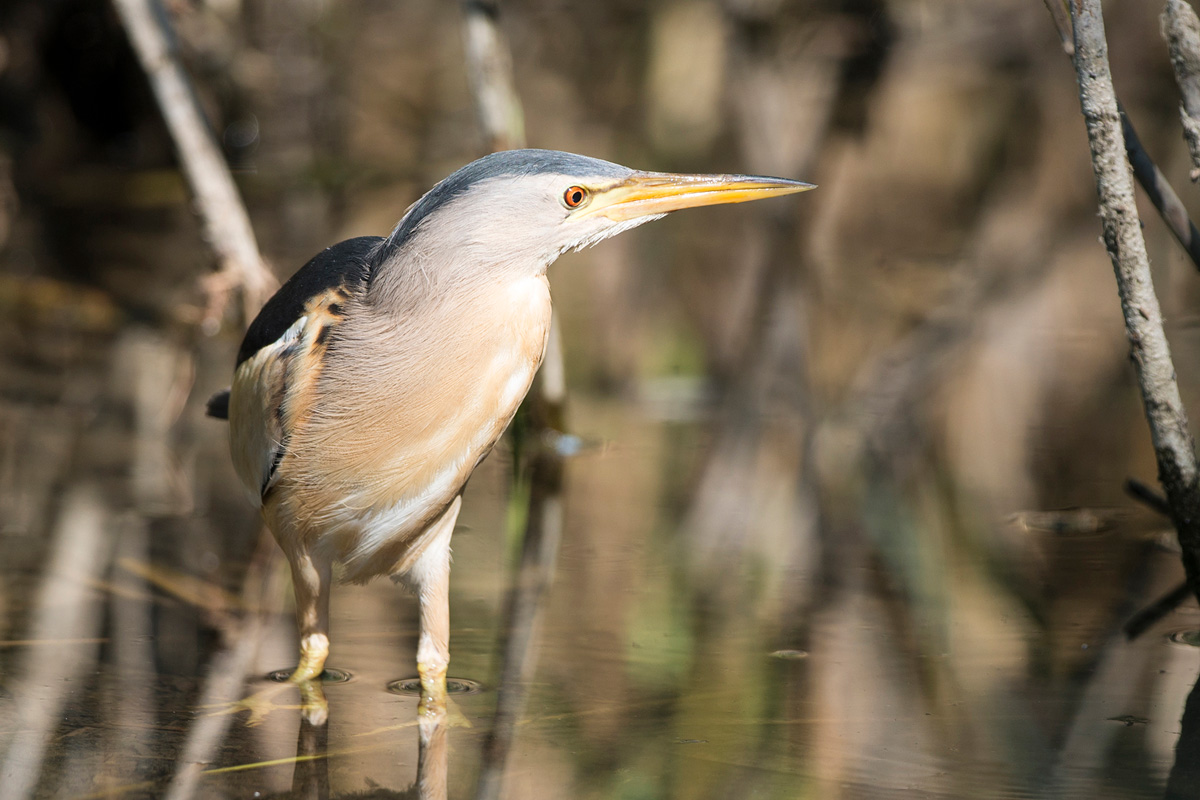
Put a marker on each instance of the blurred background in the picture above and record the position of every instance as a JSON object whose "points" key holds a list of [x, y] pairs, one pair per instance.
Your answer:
{"points": [[847, 517]]}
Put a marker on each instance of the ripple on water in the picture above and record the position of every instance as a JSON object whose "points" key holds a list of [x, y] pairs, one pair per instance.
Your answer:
{"points": [[328, 676], [1190, 637], [453, 686]]}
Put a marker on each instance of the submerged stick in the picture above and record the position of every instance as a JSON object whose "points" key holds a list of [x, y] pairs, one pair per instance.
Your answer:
{"points": [[223, 217], [1173, 447]]}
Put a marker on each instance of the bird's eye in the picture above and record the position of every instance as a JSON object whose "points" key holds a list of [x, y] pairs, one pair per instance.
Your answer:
{"points": [[574, 197]]}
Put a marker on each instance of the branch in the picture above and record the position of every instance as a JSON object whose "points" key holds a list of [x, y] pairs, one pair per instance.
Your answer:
{"points": [[1173, 448], [1140, 622], [223, 217], [1181, 29], [1147, 173], [1169, 206], [1147, 496], [489, 69]]}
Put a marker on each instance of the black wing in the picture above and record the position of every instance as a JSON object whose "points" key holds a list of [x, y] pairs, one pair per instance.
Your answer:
{"points": [[344, 264]]}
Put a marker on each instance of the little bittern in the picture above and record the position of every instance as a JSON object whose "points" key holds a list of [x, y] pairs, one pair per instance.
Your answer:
{"points": [[376, 379]]}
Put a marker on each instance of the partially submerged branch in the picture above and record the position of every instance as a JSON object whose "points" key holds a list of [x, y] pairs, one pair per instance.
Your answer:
{"points": [[489, 68], [225, 223], [1173, 447]]}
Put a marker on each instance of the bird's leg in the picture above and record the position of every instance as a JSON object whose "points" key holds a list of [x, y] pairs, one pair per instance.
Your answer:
{"points": [[312, 578], [429, 577]]}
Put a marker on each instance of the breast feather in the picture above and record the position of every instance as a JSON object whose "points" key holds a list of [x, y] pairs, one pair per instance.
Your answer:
{"points": [[378, 459]]}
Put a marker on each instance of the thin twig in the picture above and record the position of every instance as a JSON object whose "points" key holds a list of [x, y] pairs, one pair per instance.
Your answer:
{"points": [[1159, 191], [1062, 21], [1181, 29], [223, 216], [1174, 451], [1140, 622], [1147, 496]]}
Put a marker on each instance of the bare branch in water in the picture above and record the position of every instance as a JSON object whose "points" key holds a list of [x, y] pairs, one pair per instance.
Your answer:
{"points": [[223, 216], [1173, 447]]}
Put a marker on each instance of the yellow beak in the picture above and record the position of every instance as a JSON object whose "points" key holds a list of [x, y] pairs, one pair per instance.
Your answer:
{"points": [[649, 193]]}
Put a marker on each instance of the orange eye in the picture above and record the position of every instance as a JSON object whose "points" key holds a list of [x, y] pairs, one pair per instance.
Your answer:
{"points": [[574, 197]]}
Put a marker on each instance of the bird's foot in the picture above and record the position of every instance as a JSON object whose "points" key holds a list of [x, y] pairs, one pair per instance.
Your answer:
{"points": [[433, 689]]}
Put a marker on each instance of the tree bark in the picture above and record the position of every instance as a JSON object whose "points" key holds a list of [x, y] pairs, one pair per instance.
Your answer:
{"points": [[223, 216], [1173, 446], [1181, 29]]}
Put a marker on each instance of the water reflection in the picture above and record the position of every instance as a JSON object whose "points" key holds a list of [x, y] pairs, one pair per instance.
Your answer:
{"points": [[670, 684]]}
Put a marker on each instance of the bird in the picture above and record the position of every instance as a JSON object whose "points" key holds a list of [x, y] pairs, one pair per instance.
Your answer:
{"points": [[378, 376]]}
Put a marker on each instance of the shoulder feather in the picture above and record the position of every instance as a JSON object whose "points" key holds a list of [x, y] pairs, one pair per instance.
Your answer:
{"points": [[344, 265]]}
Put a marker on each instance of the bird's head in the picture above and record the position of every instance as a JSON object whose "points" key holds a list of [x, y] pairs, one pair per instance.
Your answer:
{"points": [[520, 209]]}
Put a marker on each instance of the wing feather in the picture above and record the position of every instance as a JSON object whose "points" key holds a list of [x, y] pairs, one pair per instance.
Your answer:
{"points": [[282, 355], [257, 403]]}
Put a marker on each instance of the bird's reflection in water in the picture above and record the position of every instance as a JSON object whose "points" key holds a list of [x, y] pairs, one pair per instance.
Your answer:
{"points": [[433, 763], [310, 779], [524, 608]]}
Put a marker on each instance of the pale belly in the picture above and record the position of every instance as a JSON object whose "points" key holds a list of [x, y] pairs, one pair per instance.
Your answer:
{"points": [[366, 472]]}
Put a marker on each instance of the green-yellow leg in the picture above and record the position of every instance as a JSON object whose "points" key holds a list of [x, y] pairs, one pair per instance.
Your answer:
{"points": [[429, 578], [312, 579]]}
